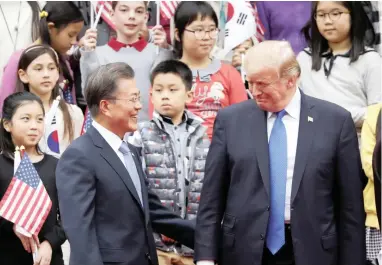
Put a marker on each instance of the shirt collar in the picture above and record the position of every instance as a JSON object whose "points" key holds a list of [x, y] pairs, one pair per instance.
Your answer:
{"points": [[138, 45], [294, 106], [111, 138]]}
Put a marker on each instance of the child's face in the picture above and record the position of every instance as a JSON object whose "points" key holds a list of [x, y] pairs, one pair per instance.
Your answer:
{"points": [[333, 21], [41, 75], [27, 124], [63, 39], [130, 17], [196, 41], [169, 95]]}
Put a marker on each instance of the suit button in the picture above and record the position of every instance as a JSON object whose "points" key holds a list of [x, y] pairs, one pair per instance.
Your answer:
{"points": [[292, 209], [262, 236], [268, 208]]}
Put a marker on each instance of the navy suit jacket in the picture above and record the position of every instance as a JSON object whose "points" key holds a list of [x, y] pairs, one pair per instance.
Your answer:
{"points": [[100, 208], [327, 214]]}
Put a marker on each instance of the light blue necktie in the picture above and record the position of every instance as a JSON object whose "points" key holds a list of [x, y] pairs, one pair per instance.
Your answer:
{"points": [[131, 168], [278, 173]]}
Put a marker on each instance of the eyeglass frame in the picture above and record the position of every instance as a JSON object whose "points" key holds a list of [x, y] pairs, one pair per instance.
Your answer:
{"points": [[329, 15], [217, 30], [133, 100]]}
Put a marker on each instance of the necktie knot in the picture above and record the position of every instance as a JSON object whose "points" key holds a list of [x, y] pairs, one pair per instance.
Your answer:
{"points": [[124, 148], [281, 114]]}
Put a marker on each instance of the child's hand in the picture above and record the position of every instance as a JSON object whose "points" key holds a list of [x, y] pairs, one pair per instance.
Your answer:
{"points": [[89, 41], [44, 255], [239, 50], [159, 36]]}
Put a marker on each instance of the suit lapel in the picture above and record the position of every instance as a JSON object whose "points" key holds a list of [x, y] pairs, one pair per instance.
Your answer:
{"points": [[258, 125], [307, 128], [112, 158]]}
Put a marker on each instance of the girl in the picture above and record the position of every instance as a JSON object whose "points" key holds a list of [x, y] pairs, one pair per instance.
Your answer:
{"points": [[60, 24], [369, 139], [23, 124], [216, 84], [337, 66], [38, 73]]}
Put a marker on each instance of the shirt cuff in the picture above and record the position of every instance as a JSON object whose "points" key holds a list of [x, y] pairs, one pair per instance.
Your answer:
{"points": [[205, 262]]}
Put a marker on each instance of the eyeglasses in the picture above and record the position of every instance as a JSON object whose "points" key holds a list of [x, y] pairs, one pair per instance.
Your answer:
{"points": [[333, 15], [201, 33], [133, 100]]}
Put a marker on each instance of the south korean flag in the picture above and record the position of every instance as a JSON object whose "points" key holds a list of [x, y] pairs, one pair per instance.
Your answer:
{"points": [[240, 25]]}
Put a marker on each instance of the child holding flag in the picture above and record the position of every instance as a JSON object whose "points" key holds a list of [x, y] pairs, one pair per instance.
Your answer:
{"points": [[23, 125], [216, 84], [38, 73], [129, 18]]}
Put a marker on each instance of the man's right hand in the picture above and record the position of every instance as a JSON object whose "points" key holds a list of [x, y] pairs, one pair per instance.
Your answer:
{"points": [[29, 243], [89, 41]]}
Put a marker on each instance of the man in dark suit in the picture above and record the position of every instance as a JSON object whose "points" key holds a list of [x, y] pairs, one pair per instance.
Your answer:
{"points": [[106, 210], [283, 181]]}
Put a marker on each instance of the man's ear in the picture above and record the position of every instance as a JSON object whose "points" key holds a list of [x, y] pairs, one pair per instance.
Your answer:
{"points": [[23, 76]]}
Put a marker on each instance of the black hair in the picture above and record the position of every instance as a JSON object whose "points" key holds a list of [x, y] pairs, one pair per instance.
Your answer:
{"points": [[61, 13], [35, 19], [27, 57], [359, 25], [102, 84], [10, 106], [174, 67], [186, 13]]}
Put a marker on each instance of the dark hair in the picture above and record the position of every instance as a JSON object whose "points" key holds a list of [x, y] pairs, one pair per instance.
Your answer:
{"points": [[318, 44], [35, 19], [10, 106], [27, 57], [186, 13], [115, 3], [61, 13], [102, 83], [174, 67]]}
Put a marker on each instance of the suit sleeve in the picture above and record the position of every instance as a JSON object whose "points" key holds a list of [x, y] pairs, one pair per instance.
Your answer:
{"points": [[213, 196], [350, 198], [76, 186]]}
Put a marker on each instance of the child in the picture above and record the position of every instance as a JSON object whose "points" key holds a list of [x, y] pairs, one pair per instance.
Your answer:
{"points": [[23, 124], [216, 84], [174, 147], [369, 137], [130, 18], [338, 67], [38, 73], [60, 24]]}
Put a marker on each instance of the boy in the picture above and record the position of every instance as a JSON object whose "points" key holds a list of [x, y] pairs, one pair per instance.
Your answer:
{"points": [[174, 148], [130, 18]]}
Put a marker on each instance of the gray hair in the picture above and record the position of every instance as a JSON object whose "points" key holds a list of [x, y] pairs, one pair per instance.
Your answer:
{"points": [[102, 84], [272, 54]]}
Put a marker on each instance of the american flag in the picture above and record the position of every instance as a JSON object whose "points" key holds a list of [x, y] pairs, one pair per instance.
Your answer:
{"points": [[87, 121], [167, 8], [259, 26], [26, 202], [106, 13]]}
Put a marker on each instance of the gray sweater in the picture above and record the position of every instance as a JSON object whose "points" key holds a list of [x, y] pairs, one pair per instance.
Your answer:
{"points": [[353, 86], [141, 62]]}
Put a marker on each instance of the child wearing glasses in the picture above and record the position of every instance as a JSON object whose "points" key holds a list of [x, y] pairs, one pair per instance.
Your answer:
{"points": [[338, 66], [215, 84]]}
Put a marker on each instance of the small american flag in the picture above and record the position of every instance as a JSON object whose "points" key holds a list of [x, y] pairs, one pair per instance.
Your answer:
{"points": [[167, 8], [26, 201], [106, 13], [87, 121], [259, 26]]}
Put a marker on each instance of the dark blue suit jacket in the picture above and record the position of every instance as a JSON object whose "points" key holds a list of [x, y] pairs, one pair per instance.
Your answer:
{"points": [[100, 209], [327, 214]]}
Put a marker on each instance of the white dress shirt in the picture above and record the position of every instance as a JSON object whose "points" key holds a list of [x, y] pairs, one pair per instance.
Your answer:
{"points": [[291, 121], [111, 138]]}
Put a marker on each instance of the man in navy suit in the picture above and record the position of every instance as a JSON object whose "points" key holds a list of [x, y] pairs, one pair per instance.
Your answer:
{"points": [[106, 209], [283, 178]]}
